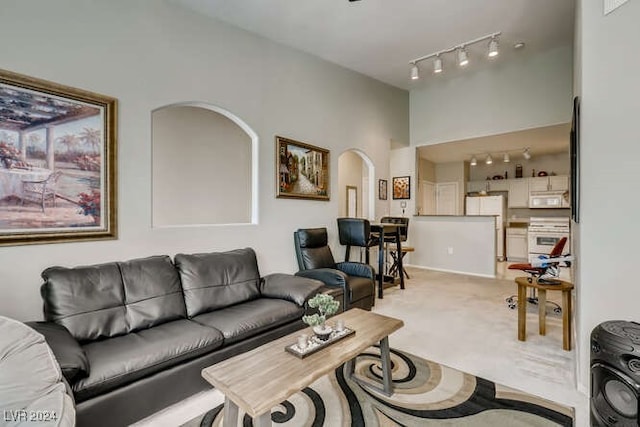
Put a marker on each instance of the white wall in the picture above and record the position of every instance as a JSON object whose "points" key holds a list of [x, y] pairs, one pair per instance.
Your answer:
{"points": [[518, 94], [610, 148], [350, 168], [150, 54], [472, 240]]}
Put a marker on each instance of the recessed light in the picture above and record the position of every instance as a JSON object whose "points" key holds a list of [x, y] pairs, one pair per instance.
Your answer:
{"points": [[518, 45]]}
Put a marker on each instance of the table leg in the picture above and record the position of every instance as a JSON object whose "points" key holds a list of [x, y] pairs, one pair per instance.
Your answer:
{"points": [[230, 414], [522, 312], [263, 420], [566, 320], [399, 246], [385, 357], [380, 264], [542, 311]]}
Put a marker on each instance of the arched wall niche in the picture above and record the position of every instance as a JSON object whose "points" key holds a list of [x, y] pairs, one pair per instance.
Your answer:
{"points": [[204, 167]]}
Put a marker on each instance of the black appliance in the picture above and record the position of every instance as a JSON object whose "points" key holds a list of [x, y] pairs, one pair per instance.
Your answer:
{"points": [[615, 374]]}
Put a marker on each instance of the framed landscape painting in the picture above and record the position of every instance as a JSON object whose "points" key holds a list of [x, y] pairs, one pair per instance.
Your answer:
{"points": [[302, 170], [57, 162], [401, 187]]}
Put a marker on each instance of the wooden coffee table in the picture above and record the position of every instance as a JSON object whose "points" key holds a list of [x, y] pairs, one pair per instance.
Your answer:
{"points": [[260, 379]]}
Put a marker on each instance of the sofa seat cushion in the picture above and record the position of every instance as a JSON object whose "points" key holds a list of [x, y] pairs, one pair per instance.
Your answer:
{"points": [[361, 287], [121, 360], [250, 318]]}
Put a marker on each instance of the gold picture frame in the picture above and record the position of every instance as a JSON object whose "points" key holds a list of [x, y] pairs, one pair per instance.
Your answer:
{"points": [[58, 162], [302, 170]]}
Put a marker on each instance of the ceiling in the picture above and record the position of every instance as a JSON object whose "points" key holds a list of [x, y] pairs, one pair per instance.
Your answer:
{"points": [[543, 140], [379, 38]]}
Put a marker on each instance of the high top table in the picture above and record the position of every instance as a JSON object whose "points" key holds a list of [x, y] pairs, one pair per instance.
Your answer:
{"points": [[260, 379], [387, 229], [564, 287]]}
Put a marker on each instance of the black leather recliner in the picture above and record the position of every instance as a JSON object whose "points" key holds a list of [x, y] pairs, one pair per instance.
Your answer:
{"points": [[316, 261]]}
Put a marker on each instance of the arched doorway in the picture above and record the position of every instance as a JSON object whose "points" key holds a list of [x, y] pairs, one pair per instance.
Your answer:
{"points": [[356, 184]]}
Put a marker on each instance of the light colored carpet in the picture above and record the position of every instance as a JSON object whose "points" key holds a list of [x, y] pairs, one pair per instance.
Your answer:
{"points": [[463, 322]]}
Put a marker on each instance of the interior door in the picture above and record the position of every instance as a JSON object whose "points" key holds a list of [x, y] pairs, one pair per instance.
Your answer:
{"points": [[428, 198], [447, 198]]}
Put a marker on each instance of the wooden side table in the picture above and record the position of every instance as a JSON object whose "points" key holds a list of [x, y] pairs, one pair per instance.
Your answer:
{"points": [[565, 287]]}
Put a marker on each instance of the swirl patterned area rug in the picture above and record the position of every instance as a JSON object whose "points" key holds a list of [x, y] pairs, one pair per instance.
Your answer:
{"points": [[425, 394]]}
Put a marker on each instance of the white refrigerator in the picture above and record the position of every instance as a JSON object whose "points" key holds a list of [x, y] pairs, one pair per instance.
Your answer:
{"points": [[490, 205]]}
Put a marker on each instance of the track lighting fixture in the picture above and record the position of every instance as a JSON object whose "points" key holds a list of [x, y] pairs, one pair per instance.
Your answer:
{"points": [[488, 160], [493, 47], [463, 58], [415, 73], [474, 161], [461, 52], [506, 158], [437, 65], [526, 153]]}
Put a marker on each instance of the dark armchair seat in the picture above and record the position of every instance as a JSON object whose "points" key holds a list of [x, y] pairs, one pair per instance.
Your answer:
{"points": [[315, 260]]}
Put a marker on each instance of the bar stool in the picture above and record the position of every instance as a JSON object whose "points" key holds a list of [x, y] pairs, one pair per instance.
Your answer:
{"points": [[356, 232], [404, 231]]}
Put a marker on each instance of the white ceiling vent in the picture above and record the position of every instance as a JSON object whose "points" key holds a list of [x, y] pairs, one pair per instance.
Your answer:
{"points": [[611, 5]]}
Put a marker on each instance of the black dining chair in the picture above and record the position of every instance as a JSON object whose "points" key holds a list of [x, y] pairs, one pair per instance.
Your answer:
{"points": [[404, 233], [356, 232]]}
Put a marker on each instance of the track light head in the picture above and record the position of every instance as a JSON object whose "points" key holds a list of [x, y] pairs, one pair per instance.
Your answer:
{"points": [[415, 73], [474, 161], [437, 65], [488, 160], [493, 48], [506, 158], [463, 58], [526, 153]]}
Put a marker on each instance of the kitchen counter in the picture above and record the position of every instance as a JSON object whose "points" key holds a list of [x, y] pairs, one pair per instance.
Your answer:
{"points": [[517, 222]]}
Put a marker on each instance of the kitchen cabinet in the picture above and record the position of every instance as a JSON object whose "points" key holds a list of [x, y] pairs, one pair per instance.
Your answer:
{"points": [[549, 183], [517, 244], [518, 193], [488, 185]]}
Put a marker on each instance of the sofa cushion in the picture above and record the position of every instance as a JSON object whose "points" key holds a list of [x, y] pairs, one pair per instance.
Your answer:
{"points": [[153, 294], [250, 318], [122, 360], [30, 377], [87, 300], [213, 281]]}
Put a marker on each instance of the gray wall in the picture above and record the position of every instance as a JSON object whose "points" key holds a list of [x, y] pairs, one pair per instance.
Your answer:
{"points": [[201, 168], [151, 54], [518, 94], [610, 107]]}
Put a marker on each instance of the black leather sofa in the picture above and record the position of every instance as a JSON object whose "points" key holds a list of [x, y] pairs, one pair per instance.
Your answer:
{"points": [[132, 337]]}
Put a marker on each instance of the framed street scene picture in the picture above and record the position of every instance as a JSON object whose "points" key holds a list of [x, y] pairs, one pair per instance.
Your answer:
{"points": [[57, 162], [302, 170]]}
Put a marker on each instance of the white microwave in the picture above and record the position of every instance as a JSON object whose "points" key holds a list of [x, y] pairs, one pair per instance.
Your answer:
{"points": [[548, 199]]}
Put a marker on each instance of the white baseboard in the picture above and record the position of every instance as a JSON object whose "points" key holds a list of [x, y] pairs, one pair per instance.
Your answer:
{"points": [[444, 270]]}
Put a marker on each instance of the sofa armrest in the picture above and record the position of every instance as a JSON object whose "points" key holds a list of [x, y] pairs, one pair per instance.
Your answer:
{"points": [[328, 276], [288, 287], [356, 269], [73, 362]]}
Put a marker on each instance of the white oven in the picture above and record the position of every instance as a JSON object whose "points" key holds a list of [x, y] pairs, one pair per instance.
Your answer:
{"points": [[544, 233]]}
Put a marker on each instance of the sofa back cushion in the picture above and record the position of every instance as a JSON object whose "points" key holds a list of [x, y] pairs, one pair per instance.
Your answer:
{"points": [[216, 280], [88, 300], [106, 300], [152, 292]]}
